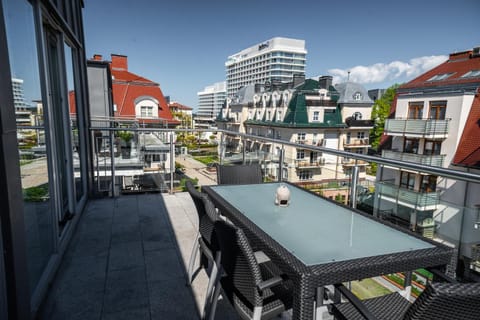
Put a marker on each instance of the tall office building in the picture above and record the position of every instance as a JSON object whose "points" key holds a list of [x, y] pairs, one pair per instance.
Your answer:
{"points": [[210, 102], [274, 60]]}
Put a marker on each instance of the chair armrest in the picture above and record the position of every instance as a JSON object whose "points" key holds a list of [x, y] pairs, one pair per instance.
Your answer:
{"points": [[356, 303], [440, 275], [267, 284]]}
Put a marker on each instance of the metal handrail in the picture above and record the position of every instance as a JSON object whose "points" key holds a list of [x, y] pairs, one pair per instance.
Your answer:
{"points": [[439, 171]]}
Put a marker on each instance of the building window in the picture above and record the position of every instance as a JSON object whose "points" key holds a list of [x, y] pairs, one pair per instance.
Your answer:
{"points": [[357, 96], [301, 136], [410, 146], [357, 116], [437, 110], [360, 135], [415, 110], [432, 147], [429, 184], [146, 111], [439, 77], [316, 115], [300, 154], [305, 175], [407, 180]]}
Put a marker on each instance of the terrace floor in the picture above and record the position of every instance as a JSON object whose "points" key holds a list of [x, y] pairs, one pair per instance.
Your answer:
{"points": [[128, 260]]}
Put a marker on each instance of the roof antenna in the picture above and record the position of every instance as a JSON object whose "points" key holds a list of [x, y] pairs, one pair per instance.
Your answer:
{"points": [[348, 77]]}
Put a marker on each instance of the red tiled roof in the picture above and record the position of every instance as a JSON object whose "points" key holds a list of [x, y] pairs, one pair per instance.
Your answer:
{"points": [[176, 105], [128, 86], [468, 151], [458, 64]]}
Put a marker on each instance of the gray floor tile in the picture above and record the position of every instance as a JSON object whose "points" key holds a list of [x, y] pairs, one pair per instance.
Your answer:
{"points": [[122, 232], [126, 255], [164, 264], [169, 300], [133, 314], [126, 290]]}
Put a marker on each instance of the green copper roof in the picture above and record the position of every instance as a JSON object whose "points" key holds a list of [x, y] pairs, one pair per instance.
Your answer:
{"points": [[297, 110]]}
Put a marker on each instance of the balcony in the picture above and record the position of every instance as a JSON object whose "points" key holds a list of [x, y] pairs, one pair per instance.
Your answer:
{"points": [[350, 162], [421, 128], [409, 198], [304, 164], [356, 143], [127, 260], [129, 253], [428, 160]]}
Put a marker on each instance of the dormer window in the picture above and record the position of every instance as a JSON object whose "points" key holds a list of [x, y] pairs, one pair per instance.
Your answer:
{"points": [[357, 96], [357, 116]]}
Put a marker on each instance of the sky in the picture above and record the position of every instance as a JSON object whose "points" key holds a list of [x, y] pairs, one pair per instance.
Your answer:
{"points": [[183, 44]]}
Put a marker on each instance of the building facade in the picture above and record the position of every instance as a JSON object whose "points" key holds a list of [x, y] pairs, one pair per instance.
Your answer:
{"points": [[434, 122], [42, 44], [210, 102], [309, 113], [274, 60], [182, 113], [137, 98]]}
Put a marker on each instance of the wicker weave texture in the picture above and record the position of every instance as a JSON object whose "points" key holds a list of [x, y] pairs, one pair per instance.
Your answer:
{"points": [[306, 279]]}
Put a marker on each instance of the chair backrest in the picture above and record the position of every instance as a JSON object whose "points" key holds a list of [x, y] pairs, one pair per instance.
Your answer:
{"points": [[239, 174], [452, 301], [242, 273], [207, 214]]}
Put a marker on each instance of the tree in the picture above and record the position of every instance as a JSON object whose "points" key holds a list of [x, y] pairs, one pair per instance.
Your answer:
{"points": [[380, 112]]}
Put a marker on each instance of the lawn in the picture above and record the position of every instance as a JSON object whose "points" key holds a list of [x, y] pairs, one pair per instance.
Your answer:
{"points": [[206, 159], [368, 288]]}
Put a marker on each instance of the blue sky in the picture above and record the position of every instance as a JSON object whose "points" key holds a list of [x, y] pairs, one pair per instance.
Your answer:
{"points": [[183, 44]]}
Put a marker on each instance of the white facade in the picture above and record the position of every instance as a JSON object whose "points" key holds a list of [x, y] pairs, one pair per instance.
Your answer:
{"points": [[277, 59], [210, 102]]}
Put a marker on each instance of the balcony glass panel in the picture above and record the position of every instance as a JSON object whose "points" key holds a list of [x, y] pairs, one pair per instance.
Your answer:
{"points": [[429, 160], [417, 127]]}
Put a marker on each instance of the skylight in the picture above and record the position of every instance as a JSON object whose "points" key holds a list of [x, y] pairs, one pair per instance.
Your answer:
{"points": [[471, 74], [439, 77]]}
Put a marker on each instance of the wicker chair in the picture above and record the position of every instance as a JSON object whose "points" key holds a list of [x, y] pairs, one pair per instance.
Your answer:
{"points": [[239, 174], [205, 240], [439, 301], [256, 290]]}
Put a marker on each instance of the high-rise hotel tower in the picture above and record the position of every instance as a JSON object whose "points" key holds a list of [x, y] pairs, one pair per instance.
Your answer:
{"points": [[274, 60]]}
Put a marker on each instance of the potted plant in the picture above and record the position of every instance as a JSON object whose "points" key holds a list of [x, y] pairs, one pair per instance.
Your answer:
{"points": [[126, 143]]}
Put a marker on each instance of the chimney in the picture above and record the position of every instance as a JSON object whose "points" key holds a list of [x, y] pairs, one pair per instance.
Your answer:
{"points": [[298, 79], [119, 62], [325, 82], [97, 57]]}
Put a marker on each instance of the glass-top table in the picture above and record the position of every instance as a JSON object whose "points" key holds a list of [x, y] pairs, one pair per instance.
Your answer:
{"points": [[318, 242], [316, 230]]}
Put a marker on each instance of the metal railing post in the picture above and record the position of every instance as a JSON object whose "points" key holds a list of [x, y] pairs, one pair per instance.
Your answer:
{"points": [[280, 164], [353, 186], [244, 149], [172, 162], [222, 148], [112, 162]]}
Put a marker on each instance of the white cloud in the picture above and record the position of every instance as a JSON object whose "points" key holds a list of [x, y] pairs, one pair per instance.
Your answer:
{"points": [[381, 72]]}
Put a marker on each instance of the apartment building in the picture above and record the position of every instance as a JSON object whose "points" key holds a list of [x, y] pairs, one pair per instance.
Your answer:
{"points": [[434, 122], [274, 60], [182, 113], [308, 112], [137, 98], [210, 102]]}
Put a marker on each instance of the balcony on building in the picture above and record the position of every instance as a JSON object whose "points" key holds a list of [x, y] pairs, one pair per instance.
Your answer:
{"points": [[356, 143], [425, 159], [421, 128], [415, 199]]}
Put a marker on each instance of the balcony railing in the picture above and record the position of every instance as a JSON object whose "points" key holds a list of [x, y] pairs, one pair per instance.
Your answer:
{"points": [[302, 163], [411, 198], [417, 127], [357, 142], [429, 160]]}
